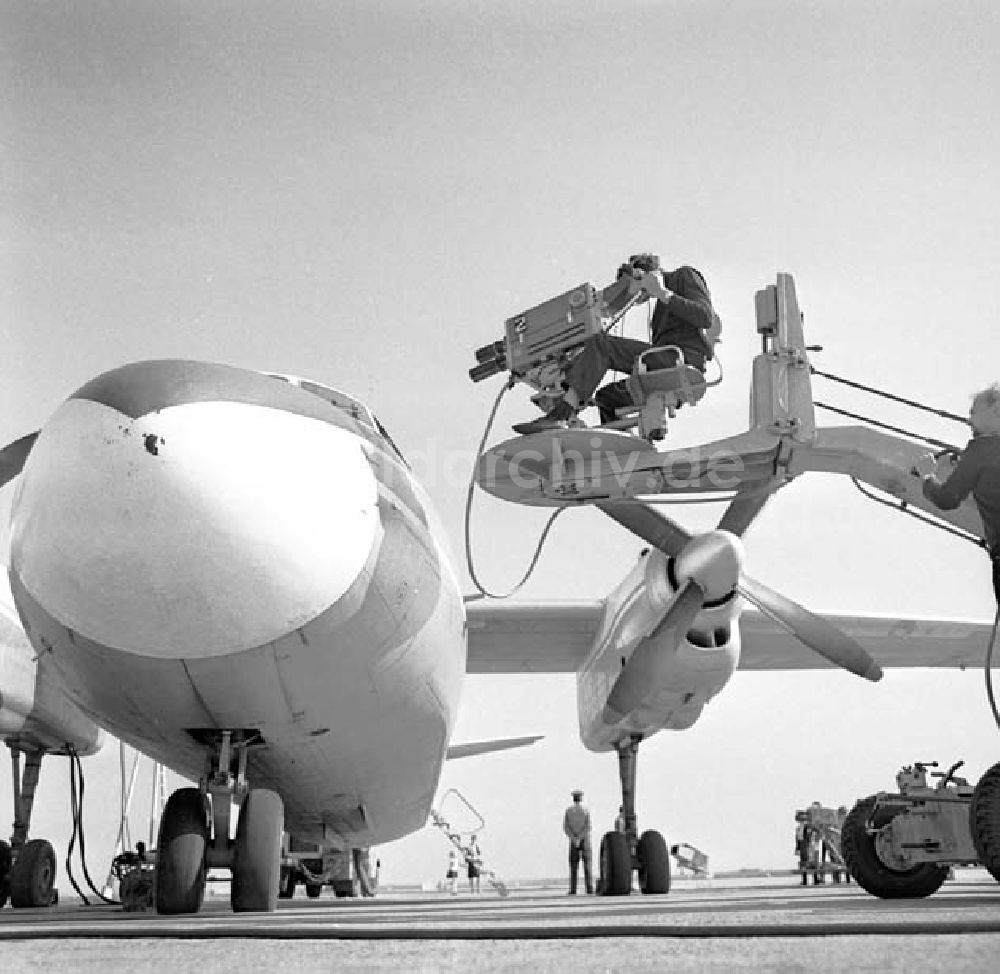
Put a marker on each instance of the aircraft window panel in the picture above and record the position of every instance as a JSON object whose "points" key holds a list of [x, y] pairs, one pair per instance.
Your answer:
{"points": [[356, 409], [385, 436], [353, 407]]}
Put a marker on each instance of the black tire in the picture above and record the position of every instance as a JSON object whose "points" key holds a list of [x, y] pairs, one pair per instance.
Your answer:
{"points": [[5, 861], [654, 863], [33, 875], [616, 865], [865, 865], [287, 883], [984, 820], [257, 853], [180, 853], [313, 890]]}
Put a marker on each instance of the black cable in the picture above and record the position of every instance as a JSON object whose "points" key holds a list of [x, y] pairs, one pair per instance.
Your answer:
{"points": [[75, 816], [888, 395], [950, 448], [903, 508], [83, 842], [468, 516], [77, 785], [988, 667]]}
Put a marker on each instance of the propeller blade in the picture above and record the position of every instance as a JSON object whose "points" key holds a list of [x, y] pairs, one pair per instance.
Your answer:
{"points": [[13, 457], [650, 525], [814, 631], [743, 508], [639, 673]]}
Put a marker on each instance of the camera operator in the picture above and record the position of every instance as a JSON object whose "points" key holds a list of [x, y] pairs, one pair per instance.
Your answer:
{"points": [[683, 317]]}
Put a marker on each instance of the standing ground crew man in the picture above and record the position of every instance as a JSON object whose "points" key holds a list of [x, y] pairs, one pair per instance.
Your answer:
{"points": [[977, 471], [576, 825]]}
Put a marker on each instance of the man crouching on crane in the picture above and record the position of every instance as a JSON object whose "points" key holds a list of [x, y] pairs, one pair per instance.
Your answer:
{"points": [[683, 318], [977, 470]]}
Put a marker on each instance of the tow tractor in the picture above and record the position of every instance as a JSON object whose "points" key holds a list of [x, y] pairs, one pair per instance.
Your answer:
{"points": [[347, 872], [902, 844]]}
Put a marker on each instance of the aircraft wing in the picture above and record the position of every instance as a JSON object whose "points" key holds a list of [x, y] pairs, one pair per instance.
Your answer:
{"points": [[550, 637], [556, 638], [891, 640]]}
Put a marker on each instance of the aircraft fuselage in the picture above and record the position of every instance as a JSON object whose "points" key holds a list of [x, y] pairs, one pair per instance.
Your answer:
{"points": [[197, 547]]}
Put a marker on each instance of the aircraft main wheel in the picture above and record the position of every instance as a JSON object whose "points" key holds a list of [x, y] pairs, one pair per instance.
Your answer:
{"points": [[654, 863], [866, 866], [5, 861], [180, 853], [257, 852], [984, 820], [287, 883], [313, 890], [33, 875], [616, 865]]}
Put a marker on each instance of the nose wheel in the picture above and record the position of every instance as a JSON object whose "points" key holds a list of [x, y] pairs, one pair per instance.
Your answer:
{"points": [[257, 853], [180, 853], [194, 837]]}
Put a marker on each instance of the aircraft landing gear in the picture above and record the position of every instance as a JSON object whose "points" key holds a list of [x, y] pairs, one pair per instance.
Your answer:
{"points": [[27, 867], [194, 837], [623, 852]]}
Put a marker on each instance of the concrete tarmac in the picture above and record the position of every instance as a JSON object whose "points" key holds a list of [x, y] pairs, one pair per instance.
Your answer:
{"points": [[703, 925]]}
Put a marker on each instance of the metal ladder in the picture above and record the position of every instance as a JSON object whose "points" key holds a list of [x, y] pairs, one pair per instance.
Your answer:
{"points": [[455, 838]]}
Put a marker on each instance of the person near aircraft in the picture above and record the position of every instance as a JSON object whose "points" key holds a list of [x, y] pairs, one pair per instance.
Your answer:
{"points": [[683, 318], [620, 819], [977, 471], [838, 874], [807, 848], [802, 829], [474, 858], [451, 876], [576, 825]]}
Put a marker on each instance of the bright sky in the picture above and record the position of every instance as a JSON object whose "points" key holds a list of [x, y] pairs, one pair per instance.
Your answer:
{"points": [[361, 193]]}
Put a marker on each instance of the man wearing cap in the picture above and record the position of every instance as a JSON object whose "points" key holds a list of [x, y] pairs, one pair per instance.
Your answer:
{"points": [[576, 825]]}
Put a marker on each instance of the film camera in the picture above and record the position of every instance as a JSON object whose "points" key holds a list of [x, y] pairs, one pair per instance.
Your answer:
{"points": [[540, 342]]}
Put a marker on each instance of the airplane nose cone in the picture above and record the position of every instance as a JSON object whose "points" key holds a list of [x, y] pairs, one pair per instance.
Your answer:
{"points": [[199, 528]]}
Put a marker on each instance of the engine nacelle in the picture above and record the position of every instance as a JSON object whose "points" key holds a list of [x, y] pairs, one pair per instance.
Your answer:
{"points": [[694, 669]]}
